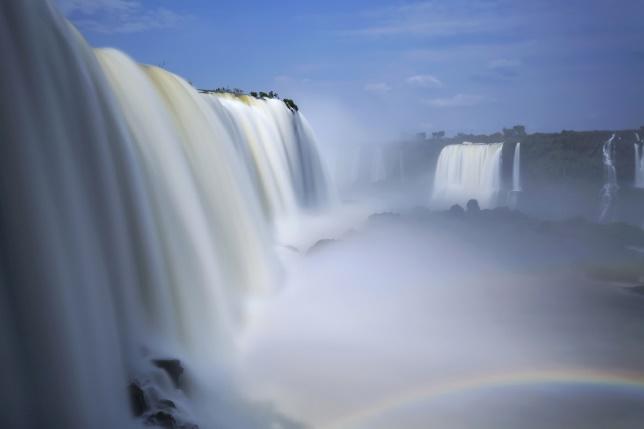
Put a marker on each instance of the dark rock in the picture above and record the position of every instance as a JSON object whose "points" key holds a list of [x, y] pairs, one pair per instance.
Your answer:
{"points": [[172, 367], [162, 419], [473, 207], [166, 403], [138, 403], [456, 210]]}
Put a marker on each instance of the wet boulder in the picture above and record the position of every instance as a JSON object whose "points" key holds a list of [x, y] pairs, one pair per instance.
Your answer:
{"points": [[172, 367], [473, 207], [138, 404], [162, 419]]}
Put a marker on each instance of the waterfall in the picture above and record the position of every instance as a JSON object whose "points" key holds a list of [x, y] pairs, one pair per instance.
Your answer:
{"points": [[639, 162], [378, 165], [76, 226], [138, 216], [610, 187], [279, 149], [181, 160], [516, 169], [468, 171], [513, 199]]}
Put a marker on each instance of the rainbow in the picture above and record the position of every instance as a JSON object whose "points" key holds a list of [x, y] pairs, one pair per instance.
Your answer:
{"points": [[615, 379]]}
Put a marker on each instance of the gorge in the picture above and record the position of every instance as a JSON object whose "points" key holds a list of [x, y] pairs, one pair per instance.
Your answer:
{"points": [[179, 258]]}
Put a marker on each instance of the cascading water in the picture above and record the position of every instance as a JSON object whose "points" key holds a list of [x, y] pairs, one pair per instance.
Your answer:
{"points": [[378, 165], [610, 188], [516, 169], [365, 165], [468, 171], [137, 215], [639, 162], [76, 226], [209, 252], [279, 147], [516, 178]]}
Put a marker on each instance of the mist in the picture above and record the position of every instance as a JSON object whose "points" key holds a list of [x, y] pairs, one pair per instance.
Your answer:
{"points": [[378, 245], [452, 301]]}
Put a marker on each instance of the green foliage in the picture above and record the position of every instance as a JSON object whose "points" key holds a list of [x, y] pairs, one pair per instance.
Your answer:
{"points": [[274, 95], [291, 104], [262, 94], [515, 133], [256, 94], [223, 90]]}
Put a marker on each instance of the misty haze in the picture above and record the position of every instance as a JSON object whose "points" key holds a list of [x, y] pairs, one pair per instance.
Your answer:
{"points": [[332, 215]]}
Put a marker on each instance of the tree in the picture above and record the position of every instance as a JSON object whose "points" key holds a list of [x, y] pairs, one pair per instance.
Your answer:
{"points": [[519, 130], [515, 132], [438, 135]]}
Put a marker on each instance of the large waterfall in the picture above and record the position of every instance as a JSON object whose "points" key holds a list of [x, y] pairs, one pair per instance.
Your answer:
{"points": [[610, 187], [639, 162], [468, 171], [137, 214]]}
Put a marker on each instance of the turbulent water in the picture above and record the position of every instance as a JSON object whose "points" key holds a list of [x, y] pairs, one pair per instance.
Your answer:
{"points": [[137, 215], [610, 188], [466, 171]]}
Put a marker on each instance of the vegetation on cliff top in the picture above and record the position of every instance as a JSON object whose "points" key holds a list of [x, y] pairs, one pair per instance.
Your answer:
{"points": [[260, 95]]}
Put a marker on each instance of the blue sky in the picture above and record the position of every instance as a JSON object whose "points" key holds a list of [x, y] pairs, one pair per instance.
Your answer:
{"points": [[374, 69]]}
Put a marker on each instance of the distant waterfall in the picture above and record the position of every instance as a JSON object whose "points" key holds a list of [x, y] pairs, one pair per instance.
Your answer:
{"points": [[513, 198], [367, 166], [379, 166], [610, 187], [137, 216], [516, 169], [639, 162], [466, 171]]}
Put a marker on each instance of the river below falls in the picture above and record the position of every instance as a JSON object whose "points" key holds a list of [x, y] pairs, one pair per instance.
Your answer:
{"points": [[401, 326]]}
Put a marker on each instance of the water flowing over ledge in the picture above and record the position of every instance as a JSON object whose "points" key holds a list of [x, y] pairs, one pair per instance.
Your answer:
{"points": [[610, 188], [138, 216], [468, 171], [639, 162]]}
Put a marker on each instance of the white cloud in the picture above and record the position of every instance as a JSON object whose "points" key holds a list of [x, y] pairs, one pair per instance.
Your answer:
{"points": [[378, 88], [433, 19], [424, 81], [459, 100], [119, 16]]}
